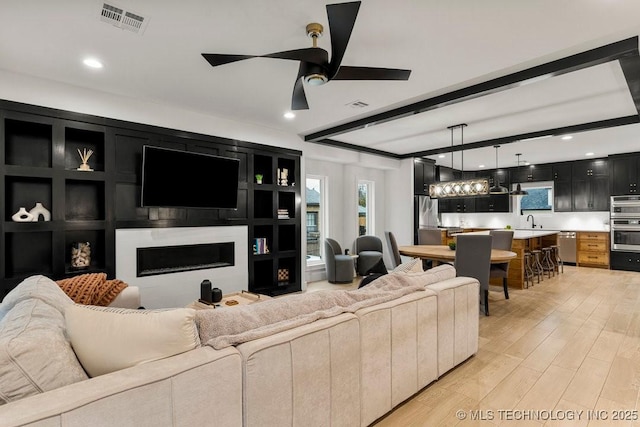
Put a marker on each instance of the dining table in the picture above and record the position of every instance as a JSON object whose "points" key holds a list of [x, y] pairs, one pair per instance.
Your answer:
{"points": [[442, 253]]}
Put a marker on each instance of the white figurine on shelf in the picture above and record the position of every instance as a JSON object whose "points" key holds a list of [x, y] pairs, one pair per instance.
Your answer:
{"points": [[84, 156], [39, 210], [22, 216], [283, 177]]}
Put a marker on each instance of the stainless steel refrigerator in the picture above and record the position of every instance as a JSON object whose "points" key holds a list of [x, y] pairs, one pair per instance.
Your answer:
{"points": [[425, 214]]}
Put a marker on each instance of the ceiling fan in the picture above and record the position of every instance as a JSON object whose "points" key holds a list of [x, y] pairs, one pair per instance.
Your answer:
{"points": [[315, 67]]}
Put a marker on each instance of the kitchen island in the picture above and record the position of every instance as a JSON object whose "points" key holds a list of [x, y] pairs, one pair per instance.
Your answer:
{"points": [[523, 240]]}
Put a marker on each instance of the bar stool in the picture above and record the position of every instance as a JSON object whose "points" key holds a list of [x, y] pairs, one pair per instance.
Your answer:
{"points": [[547, 262], [528, 271], [536, 256], [555, 254]]}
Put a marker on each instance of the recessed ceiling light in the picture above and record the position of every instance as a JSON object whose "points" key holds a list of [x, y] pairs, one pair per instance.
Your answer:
{"points": [[527, 163], [567, 137], [480, 166], [92, 63], [441, 156], [589, 153], [289, 115]]}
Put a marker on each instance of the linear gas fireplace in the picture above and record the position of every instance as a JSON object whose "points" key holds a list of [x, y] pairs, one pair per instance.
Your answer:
{"points": [[168, 264], [152, 261]]}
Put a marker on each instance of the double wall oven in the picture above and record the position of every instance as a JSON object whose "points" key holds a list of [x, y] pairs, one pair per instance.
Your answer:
{"points": [[625, 223]]}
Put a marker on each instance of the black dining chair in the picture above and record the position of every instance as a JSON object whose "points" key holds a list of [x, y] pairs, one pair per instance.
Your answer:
{"points": [[502, 239], [473, 259], [393, 249]]}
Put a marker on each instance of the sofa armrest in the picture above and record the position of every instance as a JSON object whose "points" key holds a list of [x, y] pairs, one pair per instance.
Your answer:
{"points": [[128, 298], [182, 390]]}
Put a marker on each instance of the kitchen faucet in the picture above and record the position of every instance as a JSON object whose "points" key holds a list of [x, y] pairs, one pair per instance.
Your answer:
{"points": [[533, 223]]}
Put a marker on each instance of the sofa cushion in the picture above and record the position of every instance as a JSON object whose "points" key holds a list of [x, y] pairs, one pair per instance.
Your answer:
{"points": [[108, 339], [39, 287], [35, 355]]}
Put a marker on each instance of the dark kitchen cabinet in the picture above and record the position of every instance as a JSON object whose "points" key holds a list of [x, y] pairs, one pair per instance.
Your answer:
{"points": [[627, 261], [590, 185], [562, 188], [531, 173], [424, 175], [624, 174], [493, 203]]}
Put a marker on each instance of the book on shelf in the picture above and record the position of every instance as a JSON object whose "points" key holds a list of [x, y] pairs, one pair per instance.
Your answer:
{"points": [[260, 246], [283, 214]]}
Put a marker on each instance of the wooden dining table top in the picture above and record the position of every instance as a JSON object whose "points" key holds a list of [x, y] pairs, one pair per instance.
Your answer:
{"points": [[443, 253]]}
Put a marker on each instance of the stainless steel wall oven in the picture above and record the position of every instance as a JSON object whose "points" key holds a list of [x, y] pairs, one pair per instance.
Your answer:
{"points": [[625, 223]]}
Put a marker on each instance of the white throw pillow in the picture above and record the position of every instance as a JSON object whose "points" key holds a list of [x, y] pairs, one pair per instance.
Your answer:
{"points": [[107, 339], [412, 266]]}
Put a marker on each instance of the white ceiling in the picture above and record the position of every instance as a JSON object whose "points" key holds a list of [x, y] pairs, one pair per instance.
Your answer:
{"points": [[447, 45]]}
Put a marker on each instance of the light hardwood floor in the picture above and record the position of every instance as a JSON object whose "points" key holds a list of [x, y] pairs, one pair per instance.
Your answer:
{"points": [[568, 344]]}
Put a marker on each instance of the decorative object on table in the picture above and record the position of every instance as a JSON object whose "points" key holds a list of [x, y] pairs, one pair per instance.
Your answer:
{"points": [[258, 178], [84, 156], [39, 210], [80, 254], [22, 216], [452, 246], [205, 291], [216, 295], [283, 275]]}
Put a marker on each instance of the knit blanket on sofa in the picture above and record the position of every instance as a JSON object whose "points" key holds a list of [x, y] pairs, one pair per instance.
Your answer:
{"points": [[92, 288], [225, 327]]}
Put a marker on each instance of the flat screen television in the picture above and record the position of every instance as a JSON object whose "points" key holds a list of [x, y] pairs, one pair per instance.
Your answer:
{"points": [[175, 178]]}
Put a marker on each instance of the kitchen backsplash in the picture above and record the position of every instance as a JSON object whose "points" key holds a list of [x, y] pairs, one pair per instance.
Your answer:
{"points": [[563, 221]]}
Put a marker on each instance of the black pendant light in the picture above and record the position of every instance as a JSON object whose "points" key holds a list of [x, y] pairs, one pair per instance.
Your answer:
{"points": [[518, 191], [497, 188]]}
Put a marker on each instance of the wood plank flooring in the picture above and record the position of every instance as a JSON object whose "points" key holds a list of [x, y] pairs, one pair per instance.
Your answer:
{"points": [[568, 348]]}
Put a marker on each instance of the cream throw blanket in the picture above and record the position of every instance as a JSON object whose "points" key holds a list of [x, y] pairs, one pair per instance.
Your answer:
{"points": [[225, 327]]}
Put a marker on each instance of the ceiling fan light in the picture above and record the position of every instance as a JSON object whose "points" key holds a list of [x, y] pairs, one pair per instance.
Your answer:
{"points": [[316, 79]]}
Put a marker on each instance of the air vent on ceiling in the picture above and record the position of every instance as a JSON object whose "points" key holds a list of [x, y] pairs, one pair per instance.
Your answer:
{"points": [[125, 19], [357, 104]]}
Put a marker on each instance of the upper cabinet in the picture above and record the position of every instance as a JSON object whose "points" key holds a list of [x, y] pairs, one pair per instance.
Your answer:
{"points": [[624, 174], [424, 175], [590, 185], [531, 173], [562, 189]]}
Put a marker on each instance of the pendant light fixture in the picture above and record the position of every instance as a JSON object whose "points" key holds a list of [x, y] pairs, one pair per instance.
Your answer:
{"points": [[462, 187], [497, 188], [518, 191]]}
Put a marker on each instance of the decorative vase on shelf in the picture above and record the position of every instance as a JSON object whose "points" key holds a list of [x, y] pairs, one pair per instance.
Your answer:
{"points": [[22, 216], [84, 156], [38, 210], [80, 254]]}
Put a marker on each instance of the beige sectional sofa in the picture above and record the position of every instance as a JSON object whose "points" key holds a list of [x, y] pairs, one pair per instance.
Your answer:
{"points": [[344, 369]]}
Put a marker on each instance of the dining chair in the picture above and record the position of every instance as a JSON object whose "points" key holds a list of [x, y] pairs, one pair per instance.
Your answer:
{"points": [[369, 251], [502, 239], [429, 236], [473, 259], [393, 249], [339, 266]]}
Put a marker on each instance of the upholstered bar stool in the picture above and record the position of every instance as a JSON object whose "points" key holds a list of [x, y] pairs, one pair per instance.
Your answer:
{"points": [[536, 266], [547, 263]]}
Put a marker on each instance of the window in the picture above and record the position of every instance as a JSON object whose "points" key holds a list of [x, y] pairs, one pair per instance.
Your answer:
{"points": [[316, 217], [537, 199], [365, 208]]}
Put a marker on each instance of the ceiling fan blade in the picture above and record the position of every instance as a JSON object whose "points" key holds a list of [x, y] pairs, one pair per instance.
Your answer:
{"points": [[216, 59], [369, 73], [342, 18], [314, 55], [299, 99]]}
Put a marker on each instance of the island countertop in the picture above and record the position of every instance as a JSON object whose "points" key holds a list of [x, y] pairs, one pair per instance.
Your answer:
{"points": [[520, 234]]}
